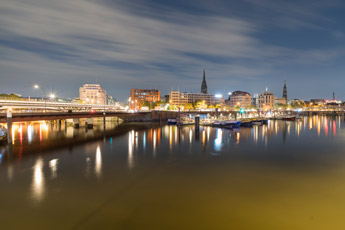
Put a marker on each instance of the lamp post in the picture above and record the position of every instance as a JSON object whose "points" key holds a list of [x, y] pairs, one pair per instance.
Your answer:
{"points": [[52, 96]]}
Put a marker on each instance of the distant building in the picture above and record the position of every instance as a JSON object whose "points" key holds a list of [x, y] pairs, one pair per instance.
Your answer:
{"points": [[111, 100], [93, 94], [266, 101], [280, 100], [285, 92], [177, 98], [139, 96], [255, 100], [239, 98], [203, 84], [318, 101], [165, 99]]}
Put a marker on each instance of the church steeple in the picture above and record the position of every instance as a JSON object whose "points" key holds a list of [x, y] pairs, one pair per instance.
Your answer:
{"points": [[285, 91], [203, 84]]}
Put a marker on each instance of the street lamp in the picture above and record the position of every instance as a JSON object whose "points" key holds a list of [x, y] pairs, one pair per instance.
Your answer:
{"points": [[44, 95]]}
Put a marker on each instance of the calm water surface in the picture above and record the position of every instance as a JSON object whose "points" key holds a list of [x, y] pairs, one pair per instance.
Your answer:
{"points": [[284, 175]]}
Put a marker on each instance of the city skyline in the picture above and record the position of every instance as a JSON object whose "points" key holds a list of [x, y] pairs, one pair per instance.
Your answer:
{"points": [[243, 45]]}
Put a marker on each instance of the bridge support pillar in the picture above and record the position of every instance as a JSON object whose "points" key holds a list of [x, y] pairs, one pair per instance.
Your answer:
{"points": [[104, 120], [76, 122], [160, 117], [9, 127], [89, 123], [197, 124]]}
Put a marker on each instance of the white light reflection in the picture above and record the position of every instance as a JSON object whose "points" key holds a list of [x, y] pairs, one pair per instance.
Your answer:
{"points": [[218, 140], [130, 148], [53, 168], [98, 165], [38, 181], [190, 136], [30, 133], [208, 134]]}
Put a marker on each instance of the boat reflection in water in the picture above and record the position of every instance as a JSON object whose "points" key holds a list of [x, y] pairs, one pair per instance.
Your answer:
{"points": [[143, 176]]}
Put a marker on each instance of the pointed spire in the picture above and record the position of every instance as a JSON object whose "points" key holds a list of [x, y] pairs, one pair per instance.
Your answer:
{"points": [[203, 84], [285, 91]]}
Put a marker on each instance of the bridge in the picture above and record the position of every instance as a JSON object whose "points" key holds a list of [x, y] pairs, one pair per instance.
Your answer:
{"points": [[32, 105], [127, 116]]}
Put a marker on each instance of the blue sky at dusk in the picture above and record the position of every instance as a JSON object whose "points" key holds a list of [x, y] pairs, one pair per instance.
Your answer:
{"points": [[243, 45]]}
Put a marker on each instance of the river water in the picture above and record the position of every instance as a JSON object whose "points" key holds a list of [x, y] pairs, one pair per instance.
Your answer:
{"points": [[284, 175]]}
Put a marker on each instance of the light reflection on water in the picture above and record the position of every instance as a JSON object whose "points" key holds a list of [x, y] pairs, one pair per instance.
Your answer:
{"points": [[98, 165], [281, 155], [38, 189]]}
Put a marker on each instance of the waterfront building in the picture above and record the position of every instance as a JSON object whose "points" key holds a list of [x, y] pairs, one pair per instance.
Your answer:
{"points": [[93, 94], [177, 98], [266, 101], [203, 84], [239, 98], [139, 96]]}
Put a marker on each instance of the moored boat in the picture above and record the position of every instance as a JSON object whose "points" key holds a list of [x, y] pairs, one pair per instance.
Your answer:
{"points": [[257, 122], [172, 121], [290, 118], [246, 123]]}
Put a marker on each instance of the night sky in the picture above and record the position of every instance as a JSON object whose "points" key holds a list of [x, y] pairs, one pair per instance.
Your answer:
{"points": [[121, 44]]}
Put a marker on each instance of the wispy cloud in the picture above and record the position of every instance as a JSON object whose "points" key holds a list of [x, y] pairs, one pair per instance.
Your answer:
{"points": [[87, 40]]}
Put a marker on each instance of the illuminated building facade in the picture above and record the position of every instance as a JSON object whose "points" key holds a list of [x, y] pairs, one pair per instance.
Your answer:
{"points": [[240, 98], [177, 98], [93, 94], [266, 101], [139, 96]]}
